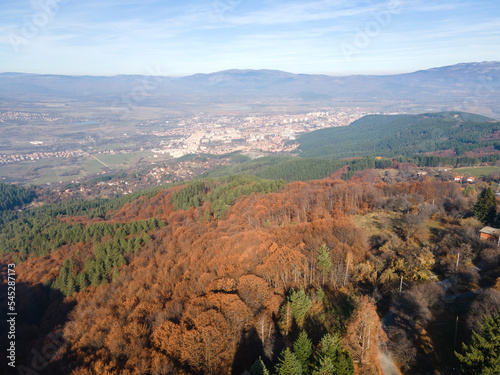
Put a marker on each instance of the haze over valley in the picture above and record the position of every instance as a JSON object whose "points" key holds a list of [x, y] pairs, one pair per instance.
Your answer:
{"points": [[63, 128]]}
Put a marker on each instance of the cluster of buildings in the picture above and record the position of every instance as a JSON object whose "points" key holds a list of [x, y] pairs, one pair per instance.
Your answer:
{"points": [[34, 156], [460, 178], [456, 178], [13, 158], [184, 170], [222, 134], [164, 173], [27, 116]]}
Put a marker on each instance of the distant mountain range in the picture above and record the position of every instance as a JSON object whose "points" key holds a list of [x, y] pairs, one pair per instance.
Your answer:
{"points": [[474, 83]]}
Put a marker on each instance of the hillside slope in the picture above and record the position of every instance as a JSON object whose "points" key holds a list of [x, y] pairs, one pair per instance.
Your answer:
{"points": [[395, 135], [208, 277]]}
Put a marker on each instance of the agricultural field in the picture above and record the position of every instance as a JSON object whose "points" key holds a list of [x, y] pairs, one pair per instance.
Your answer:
{"points": [[478, 171]]}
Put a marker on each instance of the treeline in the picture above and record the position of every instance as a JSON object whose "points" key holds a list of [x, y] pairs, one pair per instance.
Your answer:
{"points": [[221, 194], [13, 196], [249, 167], [302, 169], [454, 162], [305, 169], [108, 177], [364, 164], [235, 157], [297, 169], [401, 135], [282, 168]]}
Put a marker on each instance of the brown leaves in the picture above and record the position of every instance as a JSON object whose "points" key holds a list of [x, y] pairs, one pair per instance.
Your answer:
{"points": [[205, 347], [364, 336], [167, 338]]}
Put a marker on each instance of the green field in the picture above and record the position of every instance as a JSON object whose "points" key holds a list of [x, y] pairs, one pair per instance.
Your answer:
{"points": [[477, 171]]}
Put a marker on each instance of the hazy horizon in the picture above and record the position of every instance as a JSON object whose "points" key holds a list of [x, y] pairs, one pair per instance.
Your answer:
{"points": [[317, 37], [254, 70]]}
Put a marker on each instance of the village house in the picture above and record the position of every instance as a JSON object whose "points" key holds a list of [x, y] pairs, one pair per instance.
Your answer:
{"points": [[490, 234]]}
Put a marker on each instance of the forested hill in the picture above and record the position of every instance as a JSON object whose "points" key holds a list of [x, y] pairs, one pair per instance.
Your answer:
{"points": [[12, 196], [403, 135], [238, 274]]}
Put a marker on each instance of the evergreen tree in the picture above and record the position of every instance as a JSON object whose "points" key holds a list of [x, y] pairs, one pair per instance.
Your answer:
{"points": [[324, 262], [325, 367], [288, 364], [302, 348], [70, 286], [300, 304], [259, 368], [81, 281], [482, 355], [330, 347], [344, 364], [95, 277], [485, 207]]}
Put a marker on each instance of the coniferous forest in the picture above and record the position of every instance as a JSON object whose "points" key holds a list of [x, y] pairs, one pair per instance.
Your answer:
{"points": [[403, 135]]}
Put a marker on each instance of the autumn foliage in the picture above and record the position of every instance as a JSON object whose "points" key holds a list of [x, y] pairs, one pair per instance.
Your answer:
{"points": [[203, 284]]}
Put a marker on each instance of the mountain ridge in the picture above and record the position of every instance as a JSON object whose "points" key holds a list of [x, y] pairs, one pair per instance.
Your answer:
{"points": [[458, 65], [472, 87]]}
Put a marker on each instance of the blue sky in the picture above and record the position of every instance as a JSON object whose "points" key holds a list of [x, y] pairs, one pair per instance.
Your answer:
{"points": [[338, 37]]}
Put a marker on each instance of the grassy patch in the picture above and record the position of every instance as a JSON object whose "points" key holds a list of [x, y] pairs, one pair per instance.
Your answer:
{"points": [[477, 171], [374, 223]]}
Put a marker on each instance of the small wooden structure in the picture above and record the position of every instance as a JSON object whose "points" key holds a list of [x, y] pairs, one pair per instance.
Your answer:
{"points": [[490, 234]]}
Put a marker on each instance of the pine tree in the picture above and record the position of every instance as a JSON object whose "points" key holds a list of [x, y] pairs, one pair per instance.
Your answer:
{"points": [[325, 367], [81, 281], [300, 304], [344, 364], [485, 207], [324, 262], [330, 347], [482, 355], [259, 368], [95, 277], [70, 286], [302, 348], [288, 364]]}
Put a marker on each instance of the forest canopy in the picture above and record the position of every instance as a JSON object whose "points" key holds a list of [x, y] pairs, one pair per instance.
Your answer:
{"points": [[12, 196], [402, 135]]}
